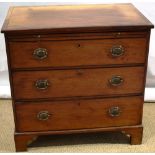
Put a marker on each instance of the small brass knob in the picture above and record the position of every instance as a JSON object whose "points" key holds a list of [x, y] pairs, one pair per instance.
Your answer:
{"points": [[40, 53], [116, 80], [42, 84], [43, 115], [117, 51], [114, 111]]}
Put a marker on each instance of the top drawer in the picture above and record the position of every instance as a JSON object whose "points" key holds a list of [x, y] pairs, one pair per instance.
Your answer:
{"points": [[77, 52]]}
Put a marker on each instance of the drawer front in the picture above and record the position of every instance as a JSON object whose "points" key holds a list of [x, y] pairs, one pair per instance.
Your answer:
{"points": [[78, 114], [77, 52], [82, 82]]}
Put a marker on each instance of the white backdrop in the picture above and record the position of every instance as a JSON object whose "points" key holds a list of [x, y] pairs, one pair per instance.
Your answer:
{"points": [[147, 8]]}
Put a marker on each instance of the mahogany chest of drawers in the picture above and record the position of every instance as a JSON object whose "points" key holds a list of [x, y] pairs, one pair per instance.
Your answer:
{"points": [[77, 69]]}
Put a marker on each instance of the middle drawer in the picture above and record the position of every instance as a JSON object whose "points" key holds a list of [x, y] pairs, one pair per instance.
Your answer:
{"points": [[79, 82]]}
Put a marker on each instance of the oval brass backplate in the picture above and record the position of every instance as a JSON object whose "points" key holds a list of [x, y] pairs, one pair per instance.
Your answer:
{"points": [[116, 80], [42, 84], [117, 51], [40, 53], [43, 115], [114, 111]]}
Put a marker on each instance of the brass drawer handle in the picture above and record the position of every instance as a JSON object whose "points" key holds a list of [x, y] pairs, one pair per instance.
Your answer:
{"points": [[40, 53], [42, 84], [116, 80], [114, 111], [43, 115], [117, 51]]}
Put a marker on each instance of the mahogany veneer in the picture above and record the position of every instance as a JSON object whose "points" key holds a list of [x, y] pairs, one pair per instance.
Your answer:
{"points": [[77, 52], [77, 69]]}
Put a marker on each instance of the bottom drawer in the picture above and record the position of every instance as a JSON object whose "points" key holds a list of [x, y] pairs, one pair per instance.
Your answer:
{"points": [[78, 114]]}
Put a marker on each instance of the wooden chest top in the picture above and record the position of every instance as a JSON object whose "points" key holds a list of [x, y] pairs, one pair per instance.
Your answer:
{"points": [[78, 18]]}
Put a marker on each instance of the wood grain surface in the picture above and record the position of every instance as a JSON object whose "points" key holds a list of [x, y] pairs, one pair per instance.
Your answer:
{"points": [[78, 68], [78, 114], [77, 52], [75, 18], [80, 82]]}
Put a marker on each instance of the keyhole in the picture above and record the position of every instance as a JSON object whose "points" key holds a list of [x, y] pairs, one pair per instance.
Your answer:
{"points": [[79, 45]]}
